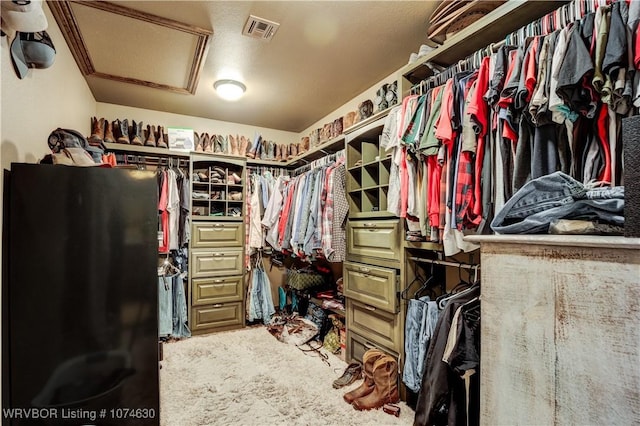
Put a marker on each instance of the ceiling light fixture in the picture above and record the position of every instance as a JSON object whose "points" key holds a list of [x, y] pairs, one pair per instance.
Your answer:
{"points": [[230, 90]]}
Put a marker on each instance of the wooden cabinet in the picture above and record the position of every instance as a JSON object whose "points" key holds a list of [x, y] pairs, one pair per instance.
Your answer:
{"points": [[374, 239], [559, 329], [228, 234], [371, 285], [217, 317], [206, 291], [375, 325], [371, 272], [216, 257]]}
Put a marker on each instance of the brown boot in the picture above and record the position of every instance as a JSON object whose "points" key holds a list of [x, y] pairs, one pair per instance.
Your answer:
{"points": [[160, 141], [151, 136], [108, 132], [304, 145], [368, 360], [97, 131], [242, 148], [284, 152], [136, 133], [293, 151], [233, 142], [277, 153], [385, 391], [209, 143]]}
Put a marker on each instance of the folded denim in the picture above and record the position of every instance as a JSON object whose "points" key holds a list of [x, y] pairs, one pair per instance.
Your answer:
{"points": [[558, 196]]}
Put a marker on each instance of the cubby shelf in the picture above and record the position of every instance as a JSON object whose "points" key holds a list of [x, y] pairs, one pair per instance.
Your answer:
{"points": [[219, 204], [368, 170]]}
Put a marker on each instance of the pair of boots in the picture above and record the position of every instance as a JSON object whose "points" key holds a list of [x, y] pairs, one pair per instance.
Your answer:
{"points": [[380, 385], [103, 130], [231, 145], [155, 138], [262, 149], [210, 144]]}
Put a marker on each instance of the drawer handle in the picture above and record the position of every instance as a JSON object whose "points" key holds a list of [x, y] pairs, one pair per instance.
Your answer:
{"points": [[370, 225], [217, 305], [218, 254], [218, 225], [365, 270], [369, 345], [217, 281], [369, 308]]}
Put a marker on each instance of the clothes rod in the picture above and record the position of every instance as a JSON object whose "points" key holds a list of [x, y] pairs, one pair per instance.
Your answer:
{"points": [[445, 263]]}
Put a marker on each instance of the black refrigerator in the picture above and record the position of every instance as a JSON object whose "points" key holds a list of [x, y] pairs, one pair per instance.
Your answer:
{"points": [[79, 301]]}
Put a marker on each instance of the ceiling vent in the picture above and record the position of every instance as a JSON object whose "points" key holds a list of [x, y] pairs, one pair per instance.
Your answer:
{"points": [[260, 28]]}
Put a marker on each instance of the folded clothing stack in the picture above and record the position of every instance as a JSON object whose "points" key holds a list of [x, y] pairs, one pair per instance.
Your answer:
{"points": [[453, 15]]}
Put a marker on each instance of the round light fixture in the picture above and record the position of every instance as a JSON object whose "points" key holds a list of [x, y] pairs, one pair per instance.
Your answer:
{"points": [[230, 90]]}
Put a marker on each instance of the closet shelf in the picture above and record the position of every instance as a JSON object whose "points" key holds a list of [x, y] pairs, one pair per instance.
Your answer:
{"points": [[509, 17], [318, 302], [372, 214], [423, 245], [141, 150], [329, 147], [366, 122]]}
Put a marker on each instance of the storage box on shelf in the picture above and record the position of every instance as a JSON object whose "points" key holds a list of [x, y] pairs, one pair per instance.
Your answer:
{"points": [[216, 290]]}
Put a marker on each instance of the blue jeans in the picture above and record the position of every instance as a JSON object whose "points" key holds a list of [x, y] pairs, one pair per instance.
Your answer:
{"points": [[422, 316], [558, 196], [180, 328], [165, 306]]}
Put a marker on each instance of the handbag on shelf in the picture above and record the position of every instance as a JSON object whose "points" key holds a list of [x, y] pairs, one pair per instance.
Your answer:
{"points": [[302, 279]]}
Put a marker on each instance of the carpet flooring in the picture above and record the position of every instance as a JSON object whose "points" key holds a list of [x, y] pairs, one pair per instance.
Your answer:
{"points": [[247, 377]]}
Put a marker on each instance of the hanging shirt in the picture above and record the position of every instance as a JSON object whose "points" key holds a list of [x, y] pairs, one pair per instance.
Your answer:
{"points": [[173, 207], [164, 214], [338, 250]]}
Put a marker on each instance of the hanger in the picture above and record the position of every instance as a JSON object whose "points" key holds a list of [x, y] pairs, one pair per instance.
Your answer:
{"points": [[168, 266], [416, 279], [426, 286]]}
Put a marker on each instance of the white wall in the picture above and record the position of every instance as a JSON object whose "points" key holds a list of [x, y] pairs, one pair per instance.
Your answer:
{"points": [[352, 105]]}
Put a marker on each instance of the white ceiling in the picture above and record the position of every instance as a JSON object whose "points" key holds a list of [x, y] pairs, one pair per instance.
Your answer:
{"points": [[323, 55]]}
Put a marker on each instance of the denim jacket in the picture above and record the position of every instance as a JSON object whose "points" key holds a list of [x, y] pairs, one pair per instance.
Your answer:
{"points": [[558, 196]]}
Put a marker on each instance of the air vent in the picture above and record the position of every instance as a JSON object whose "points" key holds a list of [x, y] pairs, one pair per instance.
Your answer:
{"points": [[260, 28]]}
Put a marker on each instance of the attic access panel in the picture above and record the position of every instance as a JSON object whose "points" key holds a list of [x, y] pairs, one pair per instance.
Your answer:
{"points": [[114, 42]]}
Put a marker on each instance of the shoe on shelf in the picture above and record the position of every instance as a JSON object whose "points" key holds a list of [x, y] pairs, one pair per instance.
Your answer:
{"points": [[236, 178], [235, 195], [352, 373]]}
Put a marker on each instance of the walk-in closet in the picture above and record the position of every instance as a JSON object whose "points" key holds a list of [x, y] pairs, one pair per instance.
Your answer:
{"points": [[320, 213]]}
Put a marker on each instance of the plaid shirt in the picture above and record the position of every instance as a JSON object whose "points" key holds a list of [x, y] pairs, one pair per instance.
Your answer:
{"points": [[327, 211], [337, 252]]}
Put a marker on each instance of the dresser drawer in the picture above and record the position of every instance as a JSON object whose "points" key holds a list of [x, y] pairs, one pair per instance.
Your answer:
{"points": [[371, 285], [358, 345], [374, 238], [205, 291], [216, 263], [227, 234], [374, 324], [217, 316]]}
